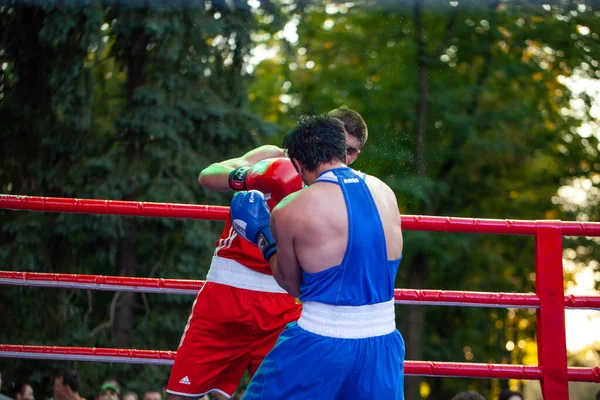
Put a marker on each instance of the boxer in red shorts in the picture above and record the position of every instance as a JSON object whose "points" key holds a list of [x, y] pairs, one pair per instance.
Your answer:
{"points": [[241, 310]]}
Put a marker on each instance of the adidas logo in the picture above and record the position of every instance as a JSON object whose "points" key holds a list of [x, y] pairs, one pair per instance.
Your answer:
{"points": [[185, 380]]}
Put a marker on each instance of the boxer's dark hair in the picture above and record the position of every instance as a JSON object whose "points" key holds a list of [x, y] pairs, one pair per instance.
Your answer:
{"points": [[316, 140], [353, 122]]}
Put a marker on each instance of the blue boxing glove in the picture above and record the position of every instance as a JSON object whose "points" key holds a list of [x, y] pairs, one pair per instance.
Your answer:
{"points": [[250, 217]]}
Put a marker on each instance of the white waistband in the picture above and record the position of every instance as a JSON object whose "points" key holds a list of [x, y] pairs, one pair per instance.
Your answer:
{"points": [[348, 322], [232, 273]]}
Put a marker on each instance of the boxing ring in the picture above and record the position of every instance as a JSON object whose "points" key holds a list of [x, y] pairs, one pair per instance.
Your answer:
{"points": [[549, 300]]}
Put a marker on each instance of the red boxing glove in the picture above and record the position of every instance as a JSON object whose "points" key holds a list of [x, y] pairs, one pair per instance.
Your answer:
{"points": [[274, 176]]}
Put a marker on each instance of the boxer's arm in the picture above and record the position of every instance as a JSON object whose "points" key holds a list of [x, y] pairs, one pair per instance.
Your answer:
{"points": [[216, 176], [284, 264]]}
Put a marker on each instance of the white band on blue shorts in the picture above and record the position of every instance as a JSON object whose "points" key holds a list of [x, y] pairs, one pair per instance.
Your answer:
{"points": [[348, 322], [232, 273]]}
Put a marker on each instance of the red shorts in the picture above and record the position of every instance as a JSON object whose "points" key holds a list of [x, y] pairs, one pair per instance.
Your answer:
{"points": [[229, 331]]}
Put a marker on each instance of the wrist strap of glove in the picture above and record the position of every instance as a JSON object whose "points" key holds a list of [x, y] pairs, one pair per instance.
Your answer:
{"points": [[237, 178], [266, 244]]}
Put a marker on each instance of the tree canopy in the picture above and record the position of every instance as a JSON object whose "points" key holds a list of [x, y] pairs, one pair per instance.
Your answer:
{"points": [[472, 107]]}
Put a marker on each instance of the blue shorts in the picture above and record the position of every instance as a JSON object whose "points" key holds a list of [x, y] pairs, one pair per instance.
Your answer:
{"points": [[304, 365]]}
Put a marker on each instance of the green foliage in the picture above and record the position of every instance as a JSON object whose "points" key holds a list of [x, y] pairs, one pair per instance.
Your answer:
{"points": [[498, 141], [115, 102]]}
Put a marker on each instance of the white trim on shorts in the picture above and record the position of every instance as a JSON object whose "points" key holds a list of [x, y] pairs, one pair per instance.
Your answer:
{"points": [[231, 273], [348, 322], [201, 394]]}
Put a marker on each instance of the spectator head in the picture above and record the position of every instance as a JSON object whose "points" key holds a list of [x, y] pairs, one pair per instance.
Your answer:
{"points": [[115, 383], [510, 395], [108, 387], [470, 395], [153, 394], [65, 385], [107, 391], [23, 391], [129, 395], [598, 395]]}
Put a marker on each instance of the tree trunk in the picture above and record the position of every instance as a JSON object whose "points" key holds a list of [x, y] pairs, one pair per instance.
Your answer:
{"points": [[127, 263], [417, 273], [127, 266], [413, 329], [421, 111]]}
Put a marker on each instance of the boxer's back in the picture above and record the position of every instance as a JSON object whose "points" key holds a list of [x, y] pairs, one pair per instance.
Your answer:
{"points": [[347, 239], [321, 231]]}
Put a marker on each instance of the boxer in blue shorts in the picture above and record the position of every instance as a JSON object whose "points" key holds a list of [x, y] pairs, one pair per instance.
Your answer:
{"points": [[336, 245]]}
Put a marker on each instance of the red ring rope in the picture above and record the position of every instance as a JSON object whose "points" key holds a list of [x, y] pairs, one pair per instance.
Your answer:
{"points": [[419, 368], [186, 286], [194, 211]]}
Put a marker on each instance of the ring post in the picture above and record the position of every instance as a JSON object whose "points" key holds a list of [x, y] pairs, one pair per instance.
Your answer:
{"points": [[551, 337]]}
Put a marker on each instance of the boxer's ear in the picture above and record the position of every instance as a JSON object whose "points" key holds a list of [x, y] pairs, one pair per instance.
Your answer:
{"points": [[297, 165]]}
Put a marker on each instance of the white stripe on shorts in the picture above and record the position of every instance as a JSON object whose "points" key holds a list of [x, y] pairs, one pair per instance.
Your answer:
{"points": [[231, 273]]}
